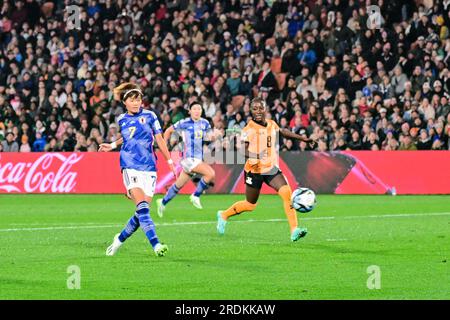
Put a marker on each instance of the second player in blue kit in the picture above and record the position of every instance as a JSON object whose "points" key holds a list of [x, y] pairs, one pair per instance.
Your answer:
{"points": [[195, 131]]}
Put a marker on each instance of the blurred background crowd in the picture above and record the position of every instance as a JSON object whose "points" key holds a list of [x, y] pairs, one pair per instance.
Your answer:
{"points": [[355, 75]]}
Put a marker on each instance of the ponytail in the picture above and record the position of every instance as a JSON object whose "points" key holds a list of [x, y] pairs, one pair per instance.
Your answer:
{"points": [[126, 90]]}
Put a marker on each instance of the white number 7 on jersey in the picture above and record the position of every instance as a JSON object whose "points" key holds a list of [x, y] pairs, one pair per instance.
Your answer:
{"points": [[132, 131]]}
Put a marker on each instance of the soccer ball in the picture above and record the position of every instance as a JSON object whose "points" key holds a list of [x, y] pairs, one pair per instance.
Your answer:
{"points": [[303, 200]]}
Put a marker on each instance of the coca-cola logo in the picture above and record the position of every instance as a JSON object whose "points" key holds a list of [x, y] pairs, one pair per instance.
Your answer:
{"points": [[37, 176]]}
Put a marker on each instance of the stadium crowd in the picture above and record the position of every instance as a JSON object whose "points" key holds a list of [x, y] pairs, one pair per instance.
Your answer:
{"points": [[350, 76]]}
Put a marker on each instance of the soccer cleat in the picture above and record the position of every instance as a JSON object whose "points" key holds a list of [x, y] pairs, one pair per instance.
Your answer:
{"points": [[112, 249], [298, 233], [161, 207], [195, 201], [160, 250], [221, 223]]}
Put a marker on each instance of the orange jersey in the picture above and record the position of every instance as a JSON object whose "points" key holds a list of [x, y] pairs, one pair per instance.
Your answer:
{"points": [[262, 141]]}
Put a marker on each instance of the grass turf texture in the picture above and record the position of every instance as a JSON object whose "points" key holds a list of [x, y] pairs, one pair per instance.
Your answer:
{"points": [[406, 236]]}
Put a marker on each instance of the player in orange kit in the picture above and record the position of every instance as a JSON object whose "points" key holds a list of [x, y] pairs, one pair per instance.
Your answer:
{"points": [[260, 138]]}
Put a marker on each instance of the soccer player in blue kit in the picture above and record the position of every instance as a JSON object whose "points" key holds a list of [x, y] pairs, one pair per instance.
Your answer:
{"points": [[139, 128], [194, 131]]}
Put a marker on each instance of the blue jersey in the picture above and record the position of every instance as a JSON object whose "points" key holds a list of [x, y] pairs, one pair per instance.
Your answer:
{"points": [[138, 131], [193, 134]]}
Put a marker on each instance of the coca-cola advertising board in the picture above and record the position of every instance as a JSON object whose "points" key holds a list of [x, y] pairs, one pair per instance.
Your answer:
{"points": [[60, 172], [363, 172]]}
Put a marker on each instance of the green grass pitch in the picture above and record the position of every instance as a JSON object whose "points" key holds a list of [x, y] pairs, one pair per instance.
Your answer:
{"points": [[407, 237]]}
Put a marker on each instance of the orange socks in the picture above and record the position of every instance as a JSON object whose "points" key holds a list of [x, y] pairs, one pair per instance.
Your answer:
{"points": [[285, 194], [237, 208]]}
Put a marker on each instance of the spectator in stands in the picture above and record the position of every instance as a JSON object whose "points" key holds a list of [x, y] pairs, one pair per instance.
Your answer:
{"points": [[355, 142], [406, 143], [9, 145], [307, 56], [234, 82], [39, 142]]}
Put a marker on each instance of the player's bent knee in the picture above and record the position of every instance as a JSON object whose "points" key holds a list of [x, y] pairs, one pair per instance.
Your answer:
{"points": [[285, 192], [210, 180], [210, 177], [137, 195]]}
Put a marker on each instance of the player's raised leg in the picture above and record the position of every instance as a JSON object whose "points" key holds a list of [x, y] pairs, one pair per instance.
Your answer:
{"points": [[119, 239], [131, 226], [207, 180], [251, 194], [280, 184], [182, 179], [146, 223]]}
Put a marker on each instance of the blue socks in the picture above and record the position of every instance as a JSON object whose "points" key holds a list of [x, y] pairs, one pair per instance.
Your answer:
{"points": [[130, 228], [171, 193], [141, 218], [146, 222], [201, 186]]}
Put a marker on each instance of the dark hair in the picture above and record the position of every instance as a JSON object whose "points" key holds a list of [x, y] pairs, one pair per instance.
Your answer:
{"points": [[258, 100], [194, 103]]}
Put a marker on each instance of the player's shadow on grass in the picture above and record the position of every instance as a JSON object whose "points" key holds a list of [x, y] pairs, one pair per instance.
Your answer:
{"points": [[225, 265], [346, 250]]}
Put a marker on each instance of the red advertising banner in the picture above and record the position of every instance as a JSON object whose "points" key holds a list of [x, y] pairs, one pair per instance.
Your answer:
{"points": [[409, 172], [60, 172], [359, 172]]}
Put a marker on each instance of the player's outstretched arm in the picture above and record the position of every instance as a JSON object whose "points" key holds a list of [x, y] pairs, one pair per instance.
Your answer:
{"points": [[165, 151], [105, 147], [289, 134]]}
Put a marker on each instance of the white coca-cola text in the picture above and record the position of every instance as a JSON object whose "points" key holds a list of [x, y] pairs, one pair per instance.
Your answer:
{"points": [[51, 172]]}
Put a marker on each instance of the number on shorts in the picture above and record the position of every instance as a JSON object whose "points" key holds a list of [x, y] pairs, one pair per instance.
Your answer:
{"points": [[154, 182]]}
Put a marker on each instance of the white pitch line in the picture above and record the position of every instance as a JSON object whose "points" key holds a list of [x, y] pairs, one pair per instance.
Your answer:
{"points": [[170, 224], [60, 228], [401, 215]]}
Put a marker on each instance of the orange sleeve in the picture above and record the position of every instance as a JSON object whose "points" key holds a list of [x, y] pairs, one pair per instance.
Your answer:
{"points": [[275, 126]]}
